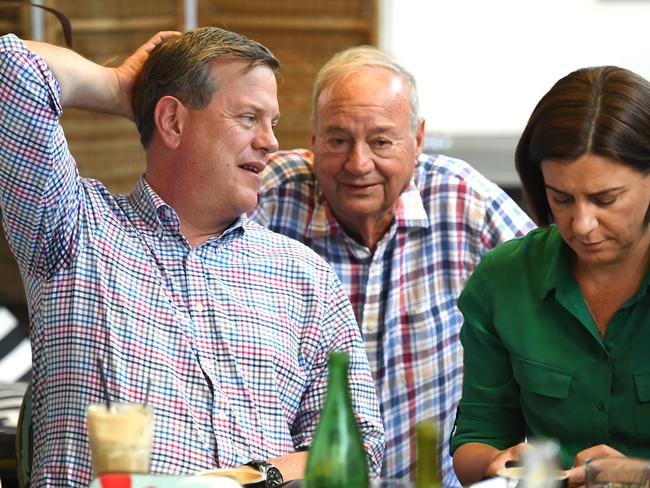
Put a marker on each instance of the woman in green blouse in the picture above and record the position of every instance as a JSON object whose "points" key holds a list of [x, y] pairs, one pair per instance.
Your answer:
{"points": [[557, 324]]}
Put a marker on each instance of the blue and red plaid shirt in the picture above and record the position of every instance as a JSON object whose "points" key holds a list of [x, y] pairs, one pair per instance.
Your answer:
{"points": [[233, 335], [404, 294]]}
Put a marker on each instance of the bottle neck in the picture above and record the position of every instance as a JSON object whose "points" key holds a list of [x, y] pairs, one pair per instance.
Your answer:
{"points": [[337, 382], [427, 468]]}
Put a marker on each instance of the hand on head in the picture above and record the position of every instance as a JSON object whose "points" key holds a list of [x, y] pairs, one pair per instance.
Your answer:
{"points": [[127, 73]]}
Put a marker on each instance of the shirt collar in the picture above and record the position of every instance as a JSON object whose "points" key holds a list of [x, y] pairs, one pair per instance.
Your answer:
{"points": [[157, 215], [409, 213], [323, 222], [160, 217], [558, 269], [558, 273]]}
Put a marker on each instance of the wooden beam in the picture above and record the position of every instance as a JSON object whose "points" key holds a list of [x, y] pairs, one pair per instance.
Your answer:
{"points": [[117, 24], [234, 22]]}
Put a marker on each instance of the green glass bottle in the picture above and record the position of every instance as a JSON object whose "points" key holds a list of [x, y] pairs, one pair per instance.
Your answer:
{"points": [[427, 474], [337, 458]]}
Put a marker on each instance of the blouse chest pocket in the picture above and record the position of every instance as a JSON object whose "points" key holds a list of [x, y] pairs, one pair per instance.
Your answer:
{"points": [[642, 410], [544, 394]]}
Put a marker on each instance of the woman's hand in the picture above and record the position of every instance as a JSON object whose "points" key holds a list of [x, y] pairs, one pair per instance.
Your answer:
{"points": [[577, 472], [474, 461], [502, 457]]}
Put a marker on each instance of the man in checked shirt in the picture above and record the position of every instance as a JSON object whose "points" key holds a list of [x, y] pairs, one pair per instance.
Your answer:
{"points": [[402, 229], [231, 323]]}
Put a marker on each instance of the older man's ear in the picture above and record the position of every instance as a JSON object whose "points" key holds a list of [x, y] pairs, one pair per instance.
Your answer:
{"points": [[170, 116], [420, 135]]}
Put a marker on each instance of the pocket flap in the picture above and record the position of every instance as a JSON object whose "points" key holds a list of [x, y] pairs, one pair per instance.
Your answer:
{"points": [[541, 379], [642, 386]]}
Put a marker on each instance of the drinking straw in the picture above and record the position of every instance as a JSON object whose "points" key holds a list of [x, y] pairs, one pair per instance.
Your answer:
{"points": [[146, 393], [102, 378]]}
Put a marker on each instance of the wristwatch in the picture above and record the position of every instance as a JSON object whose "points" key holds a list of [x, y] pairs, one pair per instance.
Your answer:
{"points": [[271, 474]]}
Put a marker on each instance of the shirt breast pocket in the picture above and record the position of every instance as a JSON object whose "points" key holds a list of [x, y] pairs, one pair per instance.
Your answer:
{"points": [[544, 395], [642, 411]]}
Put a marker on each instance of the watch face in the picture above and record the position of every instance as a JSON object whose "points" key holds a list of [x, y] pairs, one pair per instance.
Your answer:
{"points": [[273, 476]]}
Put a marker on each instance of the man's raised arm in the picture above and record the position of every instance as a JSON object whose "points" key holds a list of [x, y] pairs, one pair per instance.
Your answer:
{"points": [[90, 86]]}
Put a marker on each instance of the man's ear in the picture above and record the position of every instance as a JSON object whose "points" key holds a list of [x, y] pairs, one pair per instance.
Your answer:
{"points": [[312, 122], [169, 116], [420, 134]]}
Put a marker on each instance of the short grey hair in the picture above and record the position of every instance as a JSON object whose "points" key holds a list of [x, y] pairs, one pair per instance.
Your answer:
{"points": [[350, 60]]}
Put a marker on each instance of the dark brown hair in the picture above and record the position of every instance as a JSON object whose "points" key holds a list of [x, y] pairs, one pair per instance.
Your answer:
{"points": [[604, 111], [181, 67]]}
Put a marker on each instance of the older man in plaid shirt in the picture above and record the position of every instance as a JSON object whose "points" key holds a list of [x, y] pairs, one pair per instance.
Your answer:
{"points": [[403, 230]]}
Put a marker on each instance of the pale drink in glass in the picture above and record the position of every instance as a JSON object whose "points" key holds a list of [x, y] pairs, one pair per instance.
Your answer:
{"points": [[120, 438]]}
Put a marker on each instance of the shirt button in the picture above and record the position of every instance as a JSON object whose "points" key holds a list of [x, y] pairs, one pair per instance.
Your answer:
{"points": [[222, 415], [199, 307], [600, 406]]}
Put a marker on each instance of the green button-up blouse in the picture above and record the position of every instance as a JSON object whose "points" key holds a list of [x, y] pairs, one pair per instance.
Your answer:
{"points": [[535, 365]]}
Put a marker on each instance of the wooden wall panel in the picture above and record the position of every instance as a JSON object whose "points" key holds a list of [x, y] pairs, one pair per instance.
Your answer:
{"points": [[11, 286], [14, 19], [289, 8]]}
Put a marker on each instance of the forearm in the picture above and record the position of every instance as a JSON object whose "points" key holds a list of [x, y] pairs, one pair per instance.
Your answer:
{"points": [[84, 84], [292, 466], [471, 461], [474, 461]]}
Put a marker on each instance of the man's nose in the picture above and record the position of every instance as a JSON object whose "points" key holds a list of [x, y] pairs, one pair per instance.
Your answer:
{"points": [[359, 160], [265, 138]]}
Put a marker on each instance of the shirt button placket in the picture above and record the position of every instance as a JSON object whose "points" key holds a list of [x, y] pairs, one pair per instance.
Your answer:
{"points": [[194, 282]]}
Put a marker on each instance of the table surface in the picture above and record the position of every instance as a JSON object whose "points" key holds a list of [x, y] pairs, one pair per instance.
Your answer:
{"points": [[167, 481]]}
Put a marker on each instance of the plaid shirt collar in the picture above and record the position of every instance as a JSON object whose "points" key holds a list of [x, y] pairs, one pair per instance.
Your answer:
{"points": [[159, 217], [409, 214]]}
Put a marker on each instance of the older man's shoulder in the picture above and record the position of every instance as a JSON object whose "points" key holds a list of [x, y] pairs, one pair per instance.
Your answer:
{"points": [[440, 165], [435, 172], [286, 167]]}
